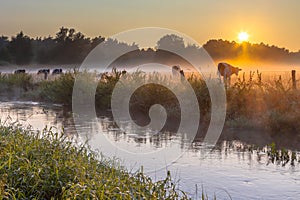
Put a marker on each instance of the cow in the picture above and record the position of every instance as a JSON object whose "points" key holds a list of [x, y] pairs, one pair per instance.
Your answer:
{"points": [[176, 70], [226, 70], [57, 71], [20, 71], [45, 72]]}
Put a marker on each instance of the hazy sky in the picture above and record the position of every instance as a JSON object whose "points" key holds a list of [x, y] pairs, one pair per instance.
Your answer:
{"points": [[269, 21]]}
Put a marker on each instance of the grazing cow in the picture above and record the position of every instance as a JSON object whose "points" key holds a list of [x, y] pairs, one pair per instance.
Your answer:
{"points": [[57, 71], [226, 70], [123, 72], [45, 72], [182, 73], [176, 70], [20, 71]]}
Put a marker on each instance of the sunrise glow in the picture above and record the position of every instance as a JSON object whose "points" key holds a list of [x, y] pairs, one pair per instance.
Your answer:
{"points": [[243, 36]]}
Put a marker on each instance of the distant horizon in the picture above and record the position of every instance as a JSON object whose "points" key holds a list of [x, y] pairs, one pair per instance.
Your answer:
{"points": [[270, 21], [106, 37]]}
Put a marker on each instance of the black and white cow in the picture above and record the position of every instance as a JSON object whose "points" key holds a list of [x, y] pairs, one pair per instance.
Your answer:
{"points": [[20, 71], [226, 70], [57, 71], [45, 72]]}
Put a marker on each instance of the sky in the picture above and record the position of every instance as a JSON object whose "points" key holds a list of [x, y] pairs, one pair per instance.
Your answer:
{"points": [[274, 22]]}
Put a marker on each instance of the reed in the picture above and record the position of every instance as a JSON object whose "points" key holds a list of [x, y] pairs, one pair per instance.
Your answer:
{"points": [[48, 165]]}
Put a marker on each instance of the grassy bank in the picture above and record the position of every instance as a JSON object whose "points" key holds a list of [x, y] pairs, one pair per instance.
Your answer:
{"points": [[45, 165], [251, 101]]}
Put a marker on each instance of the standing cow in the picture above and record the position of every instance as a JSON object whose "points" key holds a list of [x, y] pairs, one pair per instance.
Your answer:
{"points": [[57, 71], [20, 71], [45, 72], [226, 70], [176, 71]]}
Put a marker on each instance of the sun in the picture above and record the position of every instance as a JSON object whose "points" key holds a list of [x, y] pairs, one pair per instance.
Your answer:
{"points": [[243, 36]]}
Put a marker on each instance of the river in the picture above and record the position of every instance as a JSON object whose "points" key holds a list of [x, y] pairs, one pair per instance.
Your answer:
{"points": [[227, 171]]}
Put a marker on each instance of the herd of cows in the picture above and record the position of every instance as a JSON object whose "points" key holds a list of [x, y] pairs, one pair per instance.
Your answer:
{"points": [[41, 71], [224, 69]]}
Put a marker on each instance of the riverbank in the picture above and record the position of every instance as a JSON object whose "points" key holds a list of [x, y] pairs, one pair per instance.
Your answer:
{"points": [[270, 105], [46, 165], [226, 162]]}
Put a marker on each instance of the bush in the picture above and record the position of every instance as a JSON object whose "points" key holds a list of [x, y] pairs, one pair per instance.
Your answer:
{"points": [[59, 90], [47, 165]]}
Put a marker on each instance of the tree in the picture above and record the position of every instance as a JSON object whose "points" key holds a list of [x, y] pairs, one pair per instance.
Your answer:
{"points": [[171, 42], [4, 53], [20, 49], [95, 41], [71, 46]]}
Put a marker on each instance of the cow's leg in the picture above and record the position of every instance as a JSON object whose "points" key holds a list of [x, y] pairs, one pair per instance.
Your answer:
{"points": [[225, 80], [219, 75]]}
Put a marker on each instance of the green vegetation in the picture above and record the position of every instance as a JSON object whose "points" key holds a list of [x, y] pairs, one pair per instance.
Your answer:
{"points": [[15, 86], [272, 104], [272, 152], [47, 165], [281, 156], [23, 81], [59, 90], [251, 101]]}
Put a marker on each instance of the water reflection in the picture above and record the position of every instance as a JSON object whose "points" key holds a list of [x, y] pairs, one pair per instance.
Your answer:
{"points": [[233, 166]]}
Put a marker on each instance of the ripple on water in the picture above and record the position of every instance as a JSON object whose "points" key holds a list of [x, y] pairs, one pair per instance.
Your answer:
{"points": [[223, 172]]}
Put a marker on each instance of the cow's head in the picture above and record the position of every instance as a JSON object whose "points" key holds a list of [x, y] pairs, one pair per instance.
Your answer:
{"points": [[236, 70]]}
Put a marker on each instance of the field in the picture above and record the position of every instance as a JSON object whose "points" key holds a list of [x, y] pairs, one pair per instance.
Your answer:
{"points": [[253, 99]]}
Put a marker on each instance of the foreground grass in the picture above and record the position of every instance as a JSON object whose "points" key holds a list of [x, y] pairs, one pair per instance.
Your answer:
{"points": [[44, 165]]}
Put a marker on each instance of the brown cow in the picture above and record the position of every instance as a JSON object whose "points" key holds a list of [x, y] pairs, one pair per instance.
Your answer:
{"points": [[177, 71], [226, 70]]}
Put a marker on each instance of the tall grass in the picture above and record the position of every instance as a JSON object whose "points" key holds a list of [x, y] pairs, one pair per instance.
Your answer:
{"points": [[258, 103], [271, 104], [58, 90], [15, 85], [46, 165]]}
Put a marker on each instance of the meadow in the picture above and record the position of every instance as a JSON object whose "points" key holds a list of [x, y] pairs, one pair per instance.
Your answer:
{"points": [[46, 165], [252, 102]]}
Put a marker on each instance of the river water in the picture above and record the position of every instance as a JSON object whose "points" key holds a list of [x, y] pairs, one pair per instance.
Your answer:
{"points": [[226, 172]]}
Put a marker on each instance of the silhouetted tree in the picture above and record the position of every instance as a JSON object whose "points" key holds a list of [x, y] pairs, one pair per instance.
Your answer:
{"points": [[69, 46], [95, 41], [20, 49], [43, 50], [4, 52], [171, 42]]}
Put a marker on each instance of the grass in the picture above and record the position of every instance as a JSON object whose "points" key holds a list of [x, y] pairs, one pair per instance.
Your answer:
{"points": [[251, 101], [275, 154], [58, 90], [270, 104], [8, 82], [281, 156], [47, 165]]}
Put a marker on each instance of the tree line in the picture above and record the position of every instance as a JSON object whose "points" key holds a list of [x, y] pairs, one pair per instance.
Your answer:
{"points": [[70, 47], [223, 49]]}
